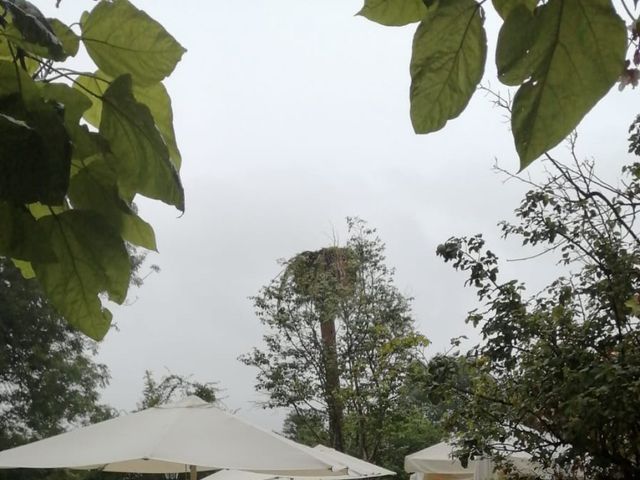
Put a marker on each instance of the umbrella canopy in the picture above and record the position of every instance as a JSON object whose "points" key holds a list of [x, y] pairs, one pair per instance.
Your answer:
{"points": [[356, 468], [436, 463], [170, 439]]}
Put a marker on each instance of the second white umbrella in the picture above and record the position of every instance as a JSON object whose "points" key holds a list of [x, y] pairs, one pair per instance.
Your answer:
{"points": [[356, 468]]}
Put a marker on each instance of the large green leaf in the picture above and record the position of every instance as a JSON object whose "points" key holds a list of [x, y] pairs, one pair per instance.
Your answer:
{"points": [[394, 12], [69, 40], [31, 30], [514, 61], [92, 260], [94, 188], [578, 51], [447, 63], [141, 158], [122, 39], [504, 7], [155, 97]]}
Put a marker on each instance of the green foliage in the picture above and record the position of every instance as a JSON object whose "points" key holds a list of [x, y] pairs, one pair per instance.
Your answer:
{"points": [[136, 155], [325, 279], [394, 12], [91, 259], [323, 275], [30, 30], [78, 147], [634, 138], [306, 427], [557, 374], [563, 55], [574, 57], [447, 62], [48, 375], [172, 387], [372, 346], [145, 50], [409, 427], [504, 7]]}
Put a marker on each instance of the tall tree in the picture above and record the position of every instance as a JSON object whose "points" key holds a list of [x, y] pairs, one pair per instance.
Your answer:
{"points": [[341, 342], [557, 374], [562, 55], [324, 279], [77, 147]]}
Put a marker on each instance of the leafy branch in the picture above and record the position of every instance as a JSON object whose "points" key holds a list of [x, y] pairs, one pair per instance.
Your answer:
{"points": [[562, 55], [78, 147]]}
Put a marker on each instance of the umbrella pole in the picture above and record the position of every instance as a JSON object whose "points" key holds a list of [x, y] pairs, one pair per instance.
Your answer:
{"points": [[194, 472]]}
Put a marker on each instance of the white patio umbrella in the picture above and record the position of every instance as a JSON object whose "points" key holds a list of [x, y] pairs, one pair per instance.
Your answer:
{"points": [[436, 463], [190, 434], [356, 469]]}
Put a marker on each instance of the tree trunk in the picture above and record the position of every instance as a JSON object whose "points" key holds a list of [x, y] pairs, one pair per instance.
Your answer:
{"points": [[332, 392]]}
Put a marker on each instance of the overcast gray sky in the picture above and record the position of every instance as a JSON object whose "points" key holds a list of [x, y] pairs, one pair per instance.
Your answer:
{"points": [[291, 115]]}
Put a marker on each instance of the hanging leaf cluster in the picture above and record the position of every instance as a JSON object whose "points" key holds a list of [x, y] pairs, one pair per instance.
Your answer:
{"points": [[77, 147], [562, 55]]}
